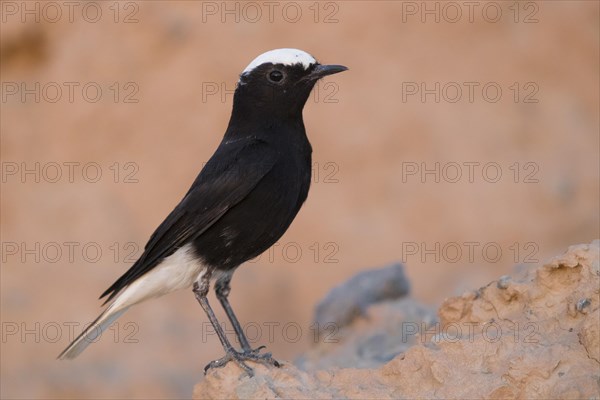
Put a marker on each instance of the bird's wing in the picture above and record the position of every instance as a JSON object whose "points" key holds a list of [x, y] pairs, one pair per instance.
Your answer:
{"points": [[228, 177]]}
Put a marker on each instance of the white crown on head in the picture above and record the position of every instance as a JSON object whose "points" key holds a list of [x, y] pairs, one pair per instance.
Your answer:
{"points": [[282, 56]]}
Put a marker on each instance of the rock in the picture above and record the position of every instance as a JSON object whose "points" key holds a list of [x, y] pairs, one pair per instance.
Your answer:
{"points": [[514, 338], [384, 331], [351, 299]]}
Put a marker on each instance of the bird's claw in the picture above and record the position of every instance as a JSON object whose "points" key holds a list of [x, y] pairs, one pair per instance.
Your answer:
{"points": [[255, 351], [240, 357], [267, 358]]}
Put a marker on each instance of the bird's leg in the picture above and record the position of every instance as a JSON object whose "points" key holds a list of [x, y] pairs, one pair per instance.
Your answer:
{"points": [[222, 289], [200, 291]]}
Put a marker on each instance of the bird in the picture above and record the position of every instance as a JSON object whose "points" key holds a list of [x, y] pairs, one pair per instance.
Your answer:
{"points": [[242, 201]]}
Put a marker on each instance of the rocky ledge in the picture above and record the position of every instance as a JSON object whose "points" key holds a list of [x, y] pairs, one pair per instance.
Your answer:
{"points": [[531, 335]]}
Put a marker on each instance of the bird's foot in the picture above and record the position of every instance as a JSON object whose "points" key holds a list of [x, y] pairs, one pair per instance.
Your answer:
{"points": [[266, 358], [240, 357]]}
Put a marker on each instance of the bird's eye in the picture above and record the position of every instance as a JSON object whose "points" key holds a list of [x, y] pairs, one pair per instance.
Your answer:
{"points": [[275, 76]]}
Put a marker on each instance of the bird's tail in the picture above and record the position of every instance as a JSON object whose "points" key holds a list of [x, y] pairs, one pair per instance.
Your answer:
{"points": [[91, 333]]}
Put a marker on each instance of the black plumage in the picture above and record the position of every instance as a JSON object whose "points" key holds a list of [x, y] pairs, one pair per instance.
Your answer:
{"points": [[243, 200]]}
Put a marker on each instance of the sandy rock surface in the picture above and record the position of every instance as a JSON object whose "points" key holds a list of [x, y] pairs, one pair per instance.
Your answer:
{"points": [[530, 335]]}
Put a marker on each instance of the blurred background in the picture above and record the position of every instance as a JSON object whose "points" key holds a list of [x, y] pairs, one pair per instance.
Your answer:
{"points": [[463, 142]]}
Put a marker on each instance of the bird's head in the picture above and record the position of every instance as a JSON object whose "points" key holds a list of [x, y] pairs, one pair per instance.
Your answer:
{"points": [[280, 81]]}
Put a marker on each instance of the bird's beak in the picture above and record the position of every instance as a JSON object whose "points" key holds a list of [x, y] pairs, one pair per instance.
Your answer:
{"points": [[323, 70]]}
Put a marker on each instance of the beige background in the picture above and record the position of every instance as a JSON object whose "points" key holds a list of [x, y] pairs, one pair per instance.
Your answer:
{"points": [[365, 131]]}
